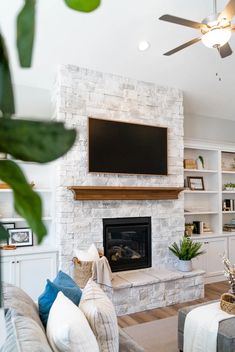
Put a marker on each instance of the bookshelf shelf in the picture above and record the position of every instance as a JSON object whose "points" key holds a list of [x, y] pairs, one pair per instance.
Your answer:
{"points": [[203, 171], [201, 213], [200, 192]]}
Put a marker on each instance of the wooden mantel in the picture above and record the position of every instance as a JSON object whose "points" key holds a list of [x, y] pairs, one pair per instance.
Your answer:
{"points": [[124, 193]]}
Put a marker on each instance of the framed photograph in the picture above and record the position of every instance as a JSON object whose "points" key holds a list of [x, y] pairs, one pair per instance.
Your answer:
{"points": [[195, 183], [20, 237], [7, 226]]}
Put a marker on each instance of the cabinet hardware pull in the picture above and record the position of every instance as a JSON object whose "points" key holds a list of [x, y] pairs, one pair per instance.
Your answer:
{"points": [[13, 262], [206, 242], [17, 261]]}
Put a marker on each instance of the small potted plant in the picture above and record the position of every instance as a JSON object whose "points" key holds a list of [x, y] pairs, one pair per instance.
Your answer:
{"points": [[186, 251]]}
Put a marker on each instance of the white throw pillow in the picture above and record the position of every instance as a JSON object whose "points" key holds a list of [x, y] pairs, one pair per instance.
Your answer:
{"points": [[89, 255], [68, 329], [100, 313]]}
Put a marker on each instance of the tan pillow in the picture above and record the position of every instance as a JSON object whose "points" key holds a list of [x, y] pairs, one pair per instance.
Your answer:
{"points": [[17, 299], [23, 334], [100, 313]]}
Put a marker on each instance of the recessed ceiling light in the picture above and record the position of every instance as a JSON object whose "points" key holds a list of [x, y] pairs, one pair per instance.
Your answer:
{"points": [[143, 45]]}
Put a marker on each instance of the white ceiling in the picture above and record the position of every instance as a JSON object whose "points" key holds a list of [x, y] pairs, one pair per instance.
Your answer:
{"points": [[107, 39]]}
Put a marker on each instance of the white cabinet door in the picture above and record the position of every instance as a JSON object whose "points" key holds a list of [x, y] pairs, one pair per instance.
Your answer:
{"points": [[231, 249], [8, 269], [32, 271], [216, 247], [211, 261], [200, 261]]}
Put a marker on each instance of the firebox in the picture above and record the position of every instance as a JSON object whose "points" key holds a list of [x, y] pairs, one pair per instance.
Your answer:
{"points": [[127, 243]]}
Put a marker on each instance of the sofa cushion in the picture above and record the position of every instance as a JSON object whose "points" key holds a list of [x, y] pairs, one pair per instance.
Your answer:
{"points": [[63, 283], [100, 313], [17, 299], [23, 334], [68, 329]]}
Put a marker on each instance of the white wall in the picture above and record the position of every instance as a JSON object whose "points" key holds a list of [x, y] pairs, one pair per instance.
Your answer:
{"points": [[33, 102], [209, 128]]}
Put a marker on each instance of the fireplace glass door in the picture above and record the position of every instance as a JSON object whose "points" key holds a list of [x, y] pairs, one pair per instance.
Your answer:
{"points": [[127, 243]]}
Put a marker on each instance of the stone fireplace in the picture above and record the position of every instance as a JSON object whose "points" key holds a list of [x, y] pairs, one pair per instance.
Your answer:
{"points": [[81, 93], [127, 243]]}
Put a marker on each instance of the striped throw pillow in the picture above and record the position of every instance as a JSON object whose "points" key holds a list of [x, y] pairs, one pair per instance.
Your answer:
{"points": [[100, 313]]}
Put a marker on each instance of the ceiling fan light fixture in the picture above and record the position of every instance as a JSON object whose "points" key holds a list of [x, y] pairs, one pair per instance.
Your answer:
{"points": [[216, 37]]}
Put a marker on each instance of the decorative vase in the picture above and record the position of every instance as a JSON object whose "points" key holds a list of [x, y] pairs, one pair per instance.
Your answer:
{"points": [[199, 164], [189, 230], [185, 265]]}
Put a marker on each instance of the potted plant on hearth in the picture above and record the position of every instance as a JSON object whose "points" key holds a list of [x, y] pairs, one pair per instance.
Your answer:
{"points": [[186, 251]]}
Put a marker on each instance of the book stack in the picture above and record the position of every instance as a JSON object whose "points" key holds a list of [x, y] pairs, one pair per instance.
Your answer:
{"points": [[190, 164], [229, 227], [201, 228], [198, 227], [228, 205], [206, 229]]}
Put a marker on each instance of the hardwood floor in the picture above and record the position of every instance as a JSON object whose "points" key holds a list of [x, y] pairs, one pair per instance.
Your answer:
{"points": [[212, 292]]}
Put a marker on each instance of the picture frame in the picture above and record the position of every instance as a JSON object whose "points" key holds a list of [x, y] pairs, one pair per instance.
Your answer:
{"points": [[7, 226], [20, 237], [196, 183]]}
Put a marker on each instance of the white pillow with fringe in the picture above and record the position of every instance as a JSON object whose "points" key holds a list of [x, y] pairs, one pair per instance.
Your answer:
{"points": [[89, 255]]}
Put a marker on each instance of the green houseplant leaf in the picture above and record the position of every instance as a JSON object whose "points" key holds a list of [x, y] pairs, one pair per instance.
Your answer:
{"points": [[27, 202], [35, 140], [83, 5], [25, 33], [3, 232], [7, 105], [187, 249]]}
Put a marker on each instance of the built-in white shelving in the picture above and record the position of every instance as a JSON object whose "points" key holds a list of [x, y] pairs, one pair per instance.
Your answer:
{"points": [[208, 205], [42, 175]]}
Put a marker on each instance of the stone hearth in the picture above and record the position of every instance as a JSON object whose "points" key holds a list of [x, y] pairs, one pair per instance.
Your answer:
{"points": [[136, 291]]}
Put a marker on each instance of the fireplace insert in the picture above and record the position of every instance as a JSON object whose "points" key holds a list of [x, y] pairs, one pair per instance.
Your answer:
{"points": [[127, 243]]}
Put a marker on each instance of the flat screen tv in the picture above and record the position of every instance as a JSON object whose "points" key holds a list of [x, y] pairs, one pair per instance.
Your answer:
{"points": [[127, 148]]}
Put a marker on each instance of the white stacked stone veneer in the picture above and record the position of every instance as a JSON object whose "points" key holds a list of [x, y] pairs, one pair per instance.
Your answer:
{"points": [[81, 93]]}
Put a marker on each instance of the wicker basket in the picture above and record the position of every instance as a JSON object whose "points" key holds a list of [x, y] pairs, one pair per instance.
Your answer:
{"points": [[81, 272], [227, 303]]}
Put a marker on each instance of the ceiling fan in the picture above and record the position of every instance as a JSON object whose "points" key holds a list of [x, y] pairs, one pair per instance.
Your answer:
{"points": [[215, 29]]}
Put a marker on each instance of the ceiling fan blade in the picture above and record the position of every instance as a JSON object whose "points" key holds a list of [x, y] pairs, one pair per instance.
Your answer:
{"points": [[191, 42], [182, 21], [228, 12], [225, 50]]}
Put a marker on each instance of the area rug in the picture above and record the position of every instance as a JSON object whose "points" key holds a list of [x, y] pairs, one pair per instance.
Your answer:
{"points": [[156, 336]]}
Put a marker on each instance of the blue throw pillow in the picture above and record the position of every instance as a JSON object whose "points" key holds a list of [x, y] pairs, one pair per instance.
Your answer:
{"points": [[62, 282]]}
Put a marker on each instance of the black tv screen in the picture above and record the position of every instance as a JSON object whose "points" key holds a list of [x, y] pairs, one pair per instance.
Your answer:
{"points": [[128, 148]]}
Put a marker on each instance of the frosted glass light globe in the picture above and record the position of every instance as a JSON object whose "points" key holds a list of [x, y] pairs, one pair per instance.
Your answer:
{"points": [[216, 37]]}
